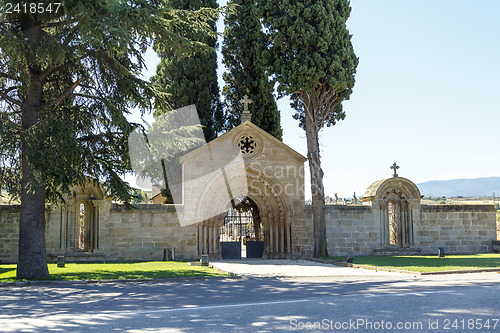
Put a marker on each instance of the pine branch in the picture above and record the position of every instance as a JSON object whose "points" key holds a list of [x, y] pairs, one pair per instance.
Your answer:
{"points": [[5, 117], [10, 99], [8, 76], [63, 95], [59, 24], [89, 96]]}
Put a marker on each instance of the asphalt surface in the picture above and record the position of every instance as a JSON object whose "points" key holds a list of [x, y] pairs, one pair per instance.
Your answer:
{"points": [[344, 303]]}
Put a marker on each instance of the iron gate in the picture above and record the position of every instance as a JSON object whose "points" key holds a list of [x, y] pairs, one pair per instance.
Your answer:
{"points": [[239, 229]]}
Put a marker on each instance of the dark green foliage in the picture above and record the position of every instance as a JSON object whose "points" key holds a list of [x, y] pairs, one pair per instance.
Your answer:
{"points": [[193, 79], [243, 49], [67, 79], [88, 59], [311, 53]]}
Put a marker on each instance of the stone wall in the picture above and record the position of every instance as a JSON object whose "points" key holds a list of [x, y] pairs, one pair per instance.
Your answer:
{"points": [[143, 233], [350, 228], [458, 228], [9, 233], [138, 234]]}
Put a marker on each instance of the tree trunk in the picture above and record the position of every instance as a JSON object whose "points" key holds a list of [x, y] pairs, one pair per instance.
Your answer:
{"points": [[32, 255], [317, 190]]}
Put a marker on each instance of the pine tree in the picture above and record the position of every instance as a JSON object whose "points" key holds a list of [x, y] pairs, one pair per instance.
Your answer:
{"points": [[312, 56], [243, 48], [67, 79], [193, 79]]}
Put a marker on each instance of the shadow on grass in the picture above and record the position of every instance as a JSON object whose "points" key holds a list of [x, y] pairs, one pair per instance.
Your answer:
{"points": [[124, 275], [6, 269], [118, 271]]}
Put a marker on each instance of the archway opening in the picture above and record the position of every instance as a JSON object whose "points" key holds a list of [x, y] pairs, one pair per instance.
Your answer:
{"points": [[393, 224], [242, 233], [82, 232]]}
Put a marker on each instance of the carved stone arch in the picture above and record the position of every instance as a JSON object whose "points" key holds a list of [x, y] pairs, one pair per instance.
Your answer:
{"points": [[260, 187], [398, 200], [79, 226]]}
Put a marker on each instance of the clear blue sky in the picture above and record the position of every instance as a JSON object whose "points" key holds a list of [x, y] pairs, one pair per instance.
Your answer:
{"points": [[426, 95]]}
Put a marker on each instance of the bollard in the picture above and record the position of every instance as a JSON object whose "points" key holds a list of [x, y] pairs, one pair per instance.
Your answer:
{"points": [[60, 261], [169, 254]]}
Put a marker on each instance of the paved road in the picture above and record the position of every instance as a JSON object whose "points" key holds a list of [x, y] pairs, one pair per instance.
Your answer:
{"points": [[365, 303]]}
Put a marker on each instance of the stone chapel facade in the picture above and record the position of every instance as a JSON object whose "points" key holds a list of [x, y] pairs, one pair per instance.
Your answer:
{"points": [[269, 178]]}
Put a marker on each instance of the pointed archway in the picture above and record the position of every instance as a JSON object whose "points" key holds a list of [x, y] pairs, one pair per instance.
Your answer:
{"points": [[269, 198], [242, 233]]}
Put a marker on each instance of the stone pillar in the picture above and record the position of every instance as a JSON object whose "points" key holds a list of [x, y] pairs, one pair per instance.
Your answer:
{"points": [[62, 231], [276, 235], [271, 234], [70, 227], [288, 226], [102, 213], [205, 249], [384, 224], [265, 225], [200, 239], [282, 235]]}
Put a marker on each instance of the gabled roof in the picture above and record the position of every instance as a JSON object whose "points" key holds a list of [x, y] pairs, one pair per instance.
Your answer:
{"points": [[253, 127]]}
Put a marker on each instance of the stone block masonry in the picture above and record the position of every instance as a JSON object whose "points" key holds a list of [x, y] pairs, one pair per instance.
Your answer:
{"points": [[9, 233], [350, 228], [143, 233], [458, 228]]}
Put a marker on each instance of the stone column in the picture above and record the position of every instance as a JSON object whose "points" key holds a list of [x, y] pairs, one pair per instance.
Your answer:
{"points": [[271, 235], [288, 226], [200, 239], [70, 227], [265, 225], [102, 214], [62, 231], [282, 235], [205, 250], [384, 224]]}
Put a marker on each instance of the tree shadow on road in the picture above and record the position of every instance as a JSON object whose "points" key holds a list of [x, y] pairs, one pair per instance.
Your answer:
{"points": [[232, 305]]}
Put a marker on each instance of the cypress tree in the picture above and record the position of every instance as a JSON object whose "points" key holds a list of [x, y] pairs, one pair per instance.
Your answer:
{"points": [[193, 79], [243, 49], [312, 56]]}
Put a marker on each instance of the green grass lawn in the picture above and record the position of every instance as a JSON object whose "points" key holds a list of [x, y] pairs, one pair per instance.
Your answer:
{"points": [[424, 264], [132, 270]]}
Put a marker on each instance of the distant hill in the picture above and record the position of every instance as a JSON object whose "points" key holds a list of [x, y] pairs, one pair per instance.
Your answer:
{"points": [[479, 187]]}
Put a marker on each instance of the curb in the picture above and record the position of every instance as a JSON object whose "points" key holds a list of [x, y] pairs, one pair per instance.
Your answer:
{"points": [[80, 282], [385, 269]]}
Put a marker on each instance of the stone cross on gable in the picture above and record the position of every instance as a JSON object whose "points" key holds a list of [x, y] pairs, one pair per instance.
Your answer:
{"points": [[246, 115], [395, 167]]}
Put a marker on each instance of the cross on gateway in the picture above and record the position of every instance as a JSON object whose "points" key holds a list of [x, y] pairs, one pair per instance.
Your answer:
{"points": [[246, 115], [245, 101], [395, 167]]}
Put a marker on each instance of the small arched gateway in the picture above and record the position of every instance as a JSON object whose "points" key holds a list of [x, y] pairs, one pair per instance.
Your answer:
{"points": [[247, 162], [397, 202]]}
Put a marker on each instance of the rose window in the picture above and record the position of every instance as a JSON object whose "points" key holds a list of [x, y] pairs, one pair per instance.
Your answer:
{"points": [[247, 145]]}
